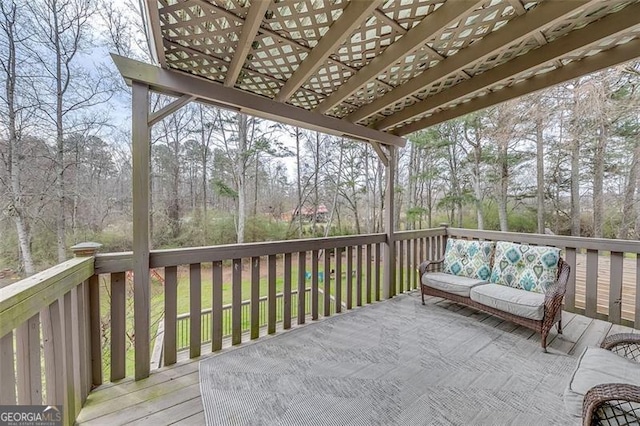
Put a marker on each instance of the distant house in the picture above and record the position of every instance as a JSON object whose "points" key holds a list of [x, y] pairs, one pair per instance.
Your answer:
{"points": [[321, 213]]}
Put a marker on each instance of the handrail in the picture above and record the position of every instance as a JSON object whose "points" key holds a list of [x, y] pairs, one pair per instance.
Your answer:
{"points": [[561, 241], [118, 262], [24, 299]]}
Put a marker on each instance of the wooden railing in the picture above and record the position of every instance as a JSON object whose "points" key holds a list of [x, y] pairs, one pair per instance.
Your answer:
{"points": [[605, 273], [328, 275], [79, 312], [48, 330]]}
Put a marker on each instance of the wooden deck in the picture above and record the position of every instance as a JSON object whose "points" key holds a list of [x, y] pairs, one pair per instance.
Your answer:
{"points": [[171, 395]]}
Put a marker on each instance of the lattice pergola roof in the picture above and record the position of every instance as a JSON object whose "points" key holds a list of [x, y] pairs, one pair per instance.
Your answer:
{"points": [[395, 66]]}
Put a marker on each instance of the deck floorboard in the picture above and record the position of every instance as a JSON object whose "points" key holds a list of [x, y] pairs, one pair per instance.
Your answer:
{"points": [[171, 395]]}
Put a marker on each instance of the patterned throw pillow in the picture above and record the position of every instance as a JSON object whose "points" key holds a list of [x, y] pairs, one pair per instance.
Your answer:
{"points": [[531, 268], [470, 259]]}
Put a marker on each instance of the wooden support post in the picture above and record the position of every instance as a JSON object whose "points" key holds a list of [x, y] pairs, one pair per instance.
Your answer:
{"points": [[389, 271], [141, 169]]}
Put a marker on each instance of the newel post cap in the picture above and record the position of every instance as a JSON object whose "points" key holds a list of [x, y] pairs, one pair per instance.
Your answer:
{"points": [[85, 249]]}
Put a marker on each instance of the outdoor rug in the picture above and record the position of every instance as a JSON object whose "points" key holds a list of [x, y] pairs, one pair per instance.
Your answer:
{"points": [[392, 363]]}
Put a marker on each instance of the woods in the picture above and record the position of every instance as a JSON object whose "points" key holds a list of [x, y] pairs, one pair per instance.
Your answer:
{"points": [[566, 159]]}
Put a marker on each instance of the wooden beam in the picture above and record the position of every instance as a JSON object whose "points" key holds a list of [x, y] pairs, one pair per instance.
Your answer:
{"points": [[352, 17], [154, 33], [617, 55], [141, 169], [389, 259], [169, 109], [515, 31], [608, 26], [384, 158], [249, 30], [179, 83], [433, 23]]}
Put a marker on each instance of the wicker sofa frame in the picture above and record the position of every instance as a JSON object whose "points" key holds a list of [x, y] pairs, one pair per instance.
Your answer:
{"points": [[610, 403], [552, 302]]}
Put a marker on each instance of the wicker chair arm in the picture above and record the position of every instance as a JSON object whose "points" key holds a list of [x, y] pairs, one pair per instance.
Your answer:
{"points": [[554, 294], [623, 344], [617, 397], [425, 265]]}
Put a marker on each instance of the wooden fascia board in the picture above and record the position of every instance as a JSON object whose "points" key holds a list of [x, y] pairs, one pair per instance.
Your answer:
{"points": [[516, 30], [440, 19], [154, 34], [611, 57], [249, 30], [352, 17], [576, 40], [181, 83]]}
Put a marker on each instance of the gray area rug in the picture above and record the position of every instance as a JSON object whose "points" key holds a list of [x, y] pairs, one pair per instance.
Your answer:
{"points": [[391, 363]]}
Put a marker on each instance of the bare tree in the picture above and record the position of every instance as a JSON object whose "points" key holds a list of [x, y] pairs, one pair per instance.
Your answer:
{"points": [[63, 31], [14, 35]]}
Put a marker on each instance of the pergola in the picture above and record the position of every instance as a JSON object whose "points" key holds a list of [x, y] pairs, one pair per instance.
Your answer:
{"points": [[371, 70]]}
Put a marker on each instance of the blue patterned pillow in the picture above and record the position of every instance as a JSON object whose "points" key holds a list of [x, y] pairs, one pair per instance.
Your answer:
{"points": [[470, 259], [530, 268]]}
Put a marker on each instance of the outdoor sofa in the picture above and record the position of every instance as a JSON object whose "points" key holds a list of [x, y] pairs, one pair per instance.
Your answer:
{"points": [[517, 282]]}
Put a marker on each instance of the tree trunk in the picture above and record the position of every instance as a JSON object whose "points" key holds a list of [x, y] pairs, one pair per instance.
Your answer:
{"points": [[628, 210], [575, 188], [241, 173], [598, 180], [60, 190], [15, 147], [299, 182], [540, 172], [503, 186]]}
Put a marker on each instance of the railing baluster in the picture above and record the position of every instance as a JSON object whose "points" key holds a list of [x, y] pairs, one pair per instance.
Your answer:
{"points": [[216, 306], [55, 369], [338, 278], [349, 277], [378, 272], [96, 337], [416, 262], [314, 285], [75, 348], [236, 302], [195, 309], [591, 287], [170, 314], [615, 287], [286, 303], [359, 275], [302, 266], [118, 325], [71, 405], [82, 344], [400, 267], [87, 337], [570, 295], [409, 270], [7, 371], [327, 282], [368, 273], [255, 297], [28, 362], [636, 322], [271, 296], [48, 346]]}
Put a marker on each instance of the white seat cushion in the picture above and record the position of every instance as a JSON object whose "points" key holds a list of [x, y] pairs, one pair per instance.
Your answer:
{"points": [[522, 303], [598, 366], [454, 284]]}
